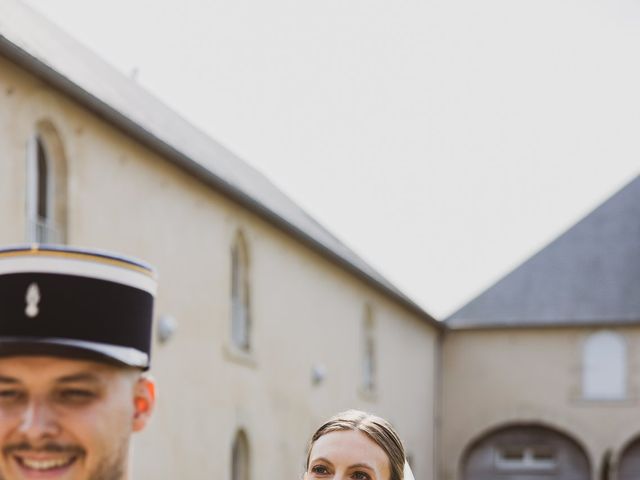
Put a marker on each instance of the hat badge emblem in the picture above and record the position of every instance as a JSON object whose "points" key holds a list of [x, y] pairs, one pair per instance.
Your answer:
{"points": [[32, 299]]}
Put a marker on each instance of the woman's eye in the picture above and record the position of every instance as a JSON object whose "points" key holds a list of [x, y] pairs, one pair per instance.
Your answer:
{"points": [[361, 476], [320, 469]]}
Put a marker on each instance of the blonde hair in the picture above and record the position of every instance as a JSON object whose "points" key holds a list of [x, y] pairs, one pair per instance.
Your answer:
{"points": [[376, 428]]}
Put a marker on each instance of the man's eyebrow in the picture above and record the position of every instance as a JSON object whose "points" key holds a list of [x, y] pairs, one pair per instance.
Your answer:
{"points": [[4, 379], [79, 377]]}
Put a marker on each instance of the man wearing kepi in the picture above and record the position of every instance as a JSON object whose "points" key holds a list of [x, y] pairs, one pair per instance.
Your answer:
{"points": [[75, 337]]}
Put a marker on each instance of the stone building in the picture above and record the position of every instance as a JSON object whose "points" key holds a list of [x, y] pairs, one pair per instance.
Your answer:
{"points": [[266, 323], [542, 370], [278, 323]]}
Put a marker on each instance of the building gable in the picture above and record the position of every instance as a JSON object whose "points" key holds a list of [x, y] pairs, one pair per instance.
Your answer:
{"points": [[588, 275]]}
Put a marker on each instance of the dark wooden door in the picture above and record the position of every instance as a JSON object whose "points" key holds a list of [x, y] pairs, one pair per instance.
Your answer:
{"points": [[629, 465]]}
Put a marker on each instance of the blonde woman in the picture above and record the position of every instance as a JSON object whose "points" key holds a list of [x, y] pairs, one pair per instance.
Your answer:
{"points": [[355, 445]]}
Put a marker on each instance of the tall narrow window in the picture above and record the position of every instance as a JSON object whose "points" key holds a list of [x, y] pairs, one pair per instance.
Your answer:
{"points": [[240, 457], [46, 187], [240, 314], [368, 352], [43, 201], [604, 367]]}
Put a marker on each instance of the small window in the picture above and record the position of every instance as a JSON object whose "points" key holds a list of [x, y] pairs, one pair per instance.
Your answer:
{"points": [[525, 458], [43, 202], [240, 457], [46, 205], [368, 352], [240, 312], [604, 367]]}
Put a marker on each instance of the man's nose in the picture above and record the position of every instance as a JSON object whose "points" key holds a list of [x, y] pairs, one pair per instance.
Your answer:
{"points": [[38, 421]]}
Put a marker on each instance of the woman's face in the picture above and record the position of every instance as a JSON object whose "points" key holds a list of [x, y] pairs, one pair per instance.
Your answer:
{"points": [[347, 454]]}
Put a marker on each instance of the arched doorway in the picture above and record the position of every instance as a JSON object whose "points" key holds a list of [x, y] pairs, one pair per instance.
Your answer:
{"points": [[629, 463], [525, 452]]}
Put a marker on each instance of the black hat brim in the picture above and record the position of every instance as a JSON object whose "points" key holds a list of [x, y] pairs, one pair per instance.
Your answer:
{"points": [[74, 349]]}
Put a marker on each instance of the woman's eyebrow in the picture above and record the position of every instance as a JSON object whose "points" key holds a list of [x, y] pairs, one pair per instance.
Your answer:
{"points": [[322, 459], [362, 465], [11, 380]]}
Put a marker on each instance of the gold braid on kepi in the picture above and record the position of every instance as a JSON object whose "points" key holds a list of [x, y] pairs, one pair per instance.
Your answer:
{"points": [[76, 303]]}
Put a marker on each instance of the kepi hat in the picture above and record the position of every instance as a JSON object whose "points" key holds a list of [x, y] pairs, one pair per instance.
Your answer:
{"points": [[76, 303]]}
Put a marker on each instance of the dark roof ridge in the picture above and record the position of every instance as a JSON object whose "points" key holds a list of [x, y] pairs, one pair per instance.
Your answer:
{"points": [[459, 324]]}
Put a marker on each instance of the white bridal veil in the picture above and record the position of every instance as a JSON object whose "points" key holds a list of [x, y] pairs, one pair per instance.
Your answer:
{"points": [[408, 474]]}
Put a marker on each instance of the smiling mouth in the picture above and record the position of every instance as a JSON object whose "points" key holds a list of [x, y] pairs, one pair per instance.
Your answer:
{"points": [[45, 465]]}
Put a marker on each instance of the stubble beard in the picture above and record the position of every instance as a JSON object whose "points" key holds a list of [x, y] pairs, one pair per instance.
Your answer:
{"points": [[111, 468]]}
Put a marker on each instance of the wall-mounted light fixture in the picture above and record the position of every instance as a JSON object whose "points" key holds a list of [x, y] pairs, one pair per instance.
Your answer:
{"points": [[318, 374], [166, 327]]}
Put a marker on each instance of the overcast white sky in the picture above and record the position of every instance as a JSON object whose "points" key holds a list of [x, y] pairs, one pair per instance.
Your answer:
{"points": [[443, 140]]}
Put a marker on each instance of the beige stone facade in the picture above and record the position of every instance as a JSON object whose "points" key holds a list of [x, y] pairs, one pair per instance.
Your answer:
{"points": [[497, 378], [307, 312]]}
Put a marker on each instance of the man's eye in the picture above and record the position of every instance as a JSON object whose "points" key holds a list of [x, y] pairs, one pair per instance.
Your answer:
{"points": [[76, 395], [8, 395]]}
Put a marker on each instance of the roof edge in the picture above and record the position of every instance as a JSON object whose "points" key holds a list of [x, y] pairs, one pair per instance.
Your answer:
{"points": [[538, 325], [136, 131]]}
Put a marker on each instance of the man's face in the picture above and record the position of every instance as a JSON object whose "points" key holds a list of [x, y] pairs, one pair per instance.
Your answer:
{"points": [[63, 419]]}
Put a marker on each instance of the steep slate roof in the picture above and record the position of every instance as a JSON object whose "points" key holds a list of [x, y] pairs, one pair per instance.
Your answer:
{"points": [[589, 275], [41, 48]]}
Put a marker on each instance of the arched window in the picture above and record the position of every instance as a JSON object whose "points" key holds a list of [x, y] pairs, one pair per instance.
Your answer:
{"points": [[240, 466], [604, 367], [517, 452], [46, 205], [240, 312], [368, 351]]}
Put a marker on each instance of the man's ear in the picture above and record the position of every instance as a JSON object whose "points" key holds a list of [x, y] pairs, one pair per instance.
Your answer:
{"points": [[144, 399]]}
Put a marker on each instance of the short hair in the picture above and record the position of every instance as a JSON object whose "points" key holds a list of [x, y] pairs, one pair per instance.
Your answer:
{"points": [[376, 428]]}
